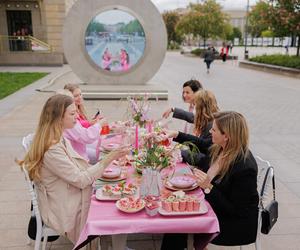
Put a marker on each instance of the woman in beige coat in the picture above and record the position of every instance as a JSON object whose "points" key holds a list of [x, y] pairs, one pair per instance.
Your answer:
{"points": [[62, 177]]}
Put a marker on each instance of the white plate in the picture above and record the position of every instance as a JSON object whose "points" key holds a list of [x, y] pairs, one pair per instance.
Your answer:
{"points": [[202, 210], [130, 211], [168, 185], [101, 197], [182, 181]]}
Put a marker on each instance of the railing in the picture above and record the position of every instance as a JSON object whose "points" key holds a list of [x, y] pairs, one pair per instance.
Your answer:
{"points": [[23, 43]]}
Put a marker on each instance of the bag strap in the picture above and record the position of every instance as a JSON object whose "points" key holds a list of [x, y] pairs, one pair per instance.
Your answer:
{"points": [[264, 184]]}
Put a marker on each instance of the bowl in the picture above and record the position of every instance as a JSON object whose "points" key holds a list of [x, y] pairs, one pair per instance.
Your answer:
{"points": [[182, 181], [111, 172]]}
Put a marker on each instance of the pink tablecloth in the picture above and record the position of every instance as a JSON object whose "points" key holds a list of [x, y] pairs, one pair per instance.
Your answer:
{"points": [[105, 219]]}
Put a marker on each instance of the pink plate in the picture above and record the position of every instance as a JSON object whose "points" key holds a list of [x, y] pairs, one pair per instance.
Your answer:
{"points": [[111, 172], [182, 181]]}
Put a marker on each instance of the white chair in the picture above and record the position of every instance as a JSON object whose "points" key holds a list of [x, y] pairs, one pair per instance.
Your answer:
{"points": [[42, 231], [264, 193], [26, 142]]}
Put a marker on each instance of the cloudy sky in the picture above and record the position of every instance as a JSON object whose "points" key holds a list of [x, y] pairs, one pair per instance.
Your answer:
{"points": [[173, 4]]}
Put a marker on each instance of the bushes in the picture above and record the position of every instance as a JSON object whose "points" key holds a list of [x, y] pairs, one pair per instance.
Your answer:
{"points": [[198, 52], [173, 45], [278, 59]]}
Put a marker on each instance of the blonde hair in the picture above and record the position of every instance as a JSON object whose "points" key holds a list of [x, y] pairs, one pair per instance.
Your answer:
{"points": [[205, 106], [48, 132], [80, 108], [233, 125], [64, 92]]}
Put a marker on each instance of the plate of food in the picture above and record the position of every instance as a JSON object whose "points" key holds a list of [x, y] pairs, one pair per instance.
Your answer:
{"points": [[130, 204], [115, 192], [182, 181], [170, 186], [111, 172], [186, 205], [121, 177]]}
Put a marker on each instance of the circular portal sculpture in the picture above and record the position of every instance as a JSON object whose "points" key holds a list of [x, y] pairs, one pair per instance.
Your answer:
{"points": [[114, 42]]}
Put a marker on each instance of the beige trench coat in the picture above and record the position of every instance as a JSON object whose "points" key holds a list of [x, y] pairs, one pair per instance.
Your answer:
{"points": [[64, 190]]}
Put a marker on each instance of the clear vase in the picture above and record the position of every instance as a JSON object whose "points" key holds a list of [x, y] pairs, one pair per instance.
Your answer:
{"points": [[151, 182]]}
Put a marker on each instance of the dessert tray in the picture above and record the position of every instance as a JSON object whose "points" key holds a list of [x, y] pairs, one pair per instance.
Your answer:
{"points": [[115, 192], [203, 209]]}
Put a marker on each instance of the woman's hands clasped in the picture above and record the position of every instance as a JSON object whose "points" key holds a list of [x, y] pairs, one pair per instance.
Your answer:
{"points": [[203, 179]]}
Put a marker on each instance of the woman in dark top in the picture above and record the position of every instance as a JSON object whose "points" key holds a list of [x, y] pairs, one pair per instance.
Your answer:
{"points": [[189, 89], [230, 183], [205, 106]]}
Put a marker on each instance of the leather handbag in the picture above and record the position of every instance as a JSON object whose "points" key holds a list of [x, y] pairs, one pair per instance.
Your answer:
{"points": [[269, 214]]}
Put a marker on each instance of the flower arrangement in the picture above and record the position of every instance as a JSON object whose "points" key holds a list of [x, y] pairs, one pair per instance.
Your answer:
{"points": [[155, 154], [138, 109]]}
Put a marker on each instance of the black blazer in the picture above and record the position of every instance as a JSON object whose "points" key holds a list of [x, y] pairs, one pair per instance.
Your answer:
{"points": [[203, 142], [235, 202], [183, 115]]}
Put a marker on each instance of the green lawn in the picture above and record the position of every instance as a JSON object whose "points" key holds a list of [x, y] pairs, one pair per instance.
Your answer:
{"points": [[10, 82]]}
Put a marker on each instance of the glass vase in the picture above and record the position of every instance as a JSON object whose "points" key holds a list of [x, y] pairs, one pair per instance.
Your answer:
{"points": [[151, 182]]}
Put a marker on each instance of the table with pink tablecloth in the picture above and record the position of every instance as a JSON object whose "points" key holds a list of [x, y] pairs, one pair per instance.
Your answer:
{"points": [[104, 218]]}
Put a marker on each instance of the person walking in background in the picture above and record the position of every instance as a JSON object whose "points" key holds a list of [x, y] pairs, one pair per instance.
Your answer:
{"points": [[209, 57], [224, 52]]}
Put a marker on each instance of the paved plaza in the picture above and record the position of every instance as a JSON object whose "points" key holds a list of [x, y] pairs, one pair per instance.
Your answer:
{"points": [[269, 102]]}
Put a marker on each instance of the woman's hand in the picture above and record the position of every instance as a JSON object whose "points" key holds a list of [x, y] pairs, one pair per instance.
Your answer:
{"points": [[115, 155], [167, 113], [170, 133], [203, 179]]}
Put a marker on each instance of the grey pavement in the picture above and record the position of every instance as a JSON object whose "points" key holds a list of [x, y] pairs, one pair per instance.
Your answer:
{"points": [[269, 102]]}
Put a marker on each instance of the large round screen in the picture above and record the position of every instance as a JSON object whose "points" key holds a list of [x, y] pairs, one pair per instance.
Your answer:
{"points": [[115, 40]]}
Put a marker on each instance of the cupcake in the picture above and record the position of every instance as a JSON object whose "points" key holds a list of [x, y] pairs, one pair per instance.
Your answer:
{"points": [[152, 208], [182, 205]]}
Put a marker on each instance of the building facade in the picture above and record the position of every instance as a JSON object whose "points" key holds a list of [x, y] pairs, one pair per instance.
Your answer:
{"points": [[25, 24]]}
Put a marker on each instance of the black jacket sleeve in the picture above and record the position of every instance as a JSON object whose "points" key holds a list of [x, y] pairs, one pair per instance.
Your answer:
{"points": [[183, 115]]}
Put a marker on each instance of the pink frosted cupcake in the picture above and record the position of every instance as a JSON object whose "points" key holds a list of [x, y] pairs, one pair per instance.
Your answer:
{"points": [[196, 205], [182, 205], [190, 205], [175, 206], [168, 206]]}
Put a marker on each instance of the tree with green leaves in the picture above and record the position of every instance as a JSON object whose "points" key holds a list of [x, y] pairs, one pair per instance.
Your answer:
{"points": [[285, 15], [259, 18], [171, 18], [205, 20], [236, 33], [95, 26], [133, 27]]}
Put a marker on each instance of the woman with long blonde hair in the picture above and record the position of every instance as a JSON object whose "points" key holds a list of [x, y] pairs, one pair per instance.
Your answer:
{"points": [[230, 184], [205, 106], [63, 179]]}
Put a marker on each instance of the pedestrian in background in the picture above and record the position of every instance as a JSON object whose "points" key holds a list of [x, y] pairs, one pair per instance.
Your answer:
{"points": [[209, 57]]}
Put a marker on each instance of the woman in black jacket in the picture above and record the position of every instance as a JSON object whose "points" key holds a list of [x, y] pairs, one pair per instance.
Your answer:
{"points": [[229, 184], [205, 106]]}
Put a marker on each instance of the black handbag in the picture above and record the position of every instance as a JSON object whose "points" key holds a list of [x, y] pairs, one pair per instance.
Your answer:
{"points": [[32, 227], [269, 214]]}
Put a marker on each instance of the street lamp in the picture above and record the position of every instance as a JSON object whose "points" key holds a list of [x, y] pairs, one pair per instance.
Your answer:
{"points": [[246, 32]]}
